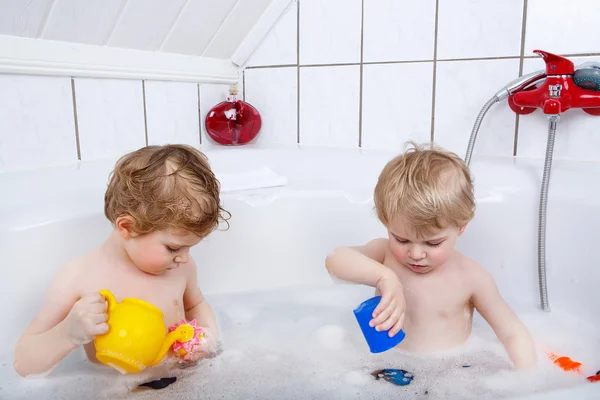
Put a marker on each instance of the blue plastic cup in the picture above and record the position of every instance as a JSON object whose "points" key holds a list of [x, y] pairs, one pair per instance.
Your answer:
{"points": [[378, 341]]}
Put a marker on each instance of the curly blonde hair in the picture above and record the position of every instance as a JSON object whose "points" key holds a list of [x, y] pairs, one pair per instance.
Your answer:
{"points": [[428, 188], [163, 187]]}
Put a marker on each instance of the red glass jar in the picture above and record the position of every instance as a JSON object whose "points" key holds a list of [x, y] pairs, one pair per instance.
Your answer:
{"points": [[233, 122]]}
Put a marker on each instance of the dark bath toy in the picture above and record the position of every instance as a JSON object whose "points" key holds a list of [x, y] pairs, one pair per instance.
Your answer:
{"points": [[398, 377]]}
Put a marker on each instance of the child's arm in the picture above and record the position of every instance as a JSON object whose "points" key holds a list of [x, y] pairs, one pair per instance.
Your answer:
{"points": [[64, 322], [364, 265], [509, 329], [196, 306]]}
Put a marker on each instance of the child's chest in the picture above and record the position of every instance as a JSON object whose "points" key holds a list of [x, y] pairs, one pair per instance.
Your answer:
{"points": [[165, 292], [441, 295]]}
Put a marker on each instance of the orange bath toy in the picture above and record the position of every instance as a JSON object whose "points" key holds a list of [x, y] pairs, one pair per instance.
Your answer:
{"points": [[566, 364]]}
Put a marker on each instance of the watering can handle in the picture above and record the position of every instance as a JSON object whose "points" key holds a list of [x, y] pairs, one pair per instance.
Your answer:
{"points": [[110, 299]]}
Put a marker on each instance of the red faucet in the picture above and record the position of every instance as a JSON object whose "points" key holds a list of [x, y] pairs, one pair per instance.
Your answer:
{"points": [[557, 93]]}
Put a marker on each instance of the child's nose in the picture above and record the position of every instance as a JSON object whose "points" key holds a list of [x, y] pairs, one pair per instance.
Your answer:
{"points": [[183, 257], [416, 253]]}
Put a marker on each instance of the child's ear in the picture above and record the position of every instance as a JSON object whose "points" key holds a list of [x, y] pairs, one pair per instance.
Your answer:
{"points": [[461, 229], [125, 226]]}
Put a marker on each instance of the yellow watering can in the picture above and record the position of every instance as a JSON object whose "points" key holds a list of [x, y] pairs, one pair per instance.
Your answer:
{"points": [[137, 337]]}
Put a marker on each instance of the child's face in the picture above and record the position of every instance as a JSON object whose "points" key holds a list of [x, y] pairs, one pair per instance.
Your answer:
{"points": [[422, 254], [160, 251]]}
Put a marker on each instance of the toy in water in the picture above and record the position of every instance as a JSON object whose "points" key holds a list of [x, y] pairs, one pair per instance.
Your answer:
{"points": [[137, 337], [594, 378], [378, 341], [565, 363], [398, 377], [185, 350], [568, 365], [159, 383]]}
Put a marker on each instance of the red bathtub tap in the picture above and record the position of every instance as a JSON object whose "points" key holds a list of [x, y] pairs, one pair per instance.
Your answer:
{"points": [[559, 92]]}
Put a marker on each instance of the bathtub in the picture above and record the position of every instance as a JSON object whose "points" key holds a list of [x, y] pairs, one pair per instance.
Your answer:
{"points": [[277, 242]]}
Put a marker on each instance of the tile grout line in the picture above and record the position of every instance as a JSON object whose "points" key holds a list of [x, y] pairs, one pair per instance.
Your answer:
{"points": [[298, 72], [76, 119], [199, 114], [521, 61], [145, 114], [360, 87], [434, 78], [392, 62]]}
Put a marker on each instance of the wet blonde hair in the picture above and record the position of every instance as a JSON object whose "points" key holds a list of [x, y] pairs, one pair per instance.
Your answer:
{"points": [[428, 188], [163, 187]]}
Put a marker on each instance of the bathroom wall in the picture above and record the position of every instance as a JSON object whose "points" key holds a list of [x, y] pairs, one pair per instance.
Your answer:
{"points": [[376, 73], [57, 120], [344, 73]]}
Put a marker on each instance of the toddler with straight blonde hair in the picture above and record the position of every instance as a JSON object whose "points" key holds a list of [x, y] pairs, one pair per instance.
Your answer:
{"points": [[425, 199], [161, 201]]}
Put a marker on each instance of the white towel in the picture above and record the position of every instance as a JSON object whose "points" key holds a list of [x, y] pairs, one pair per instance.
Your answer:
{"points": [[263, 177]]}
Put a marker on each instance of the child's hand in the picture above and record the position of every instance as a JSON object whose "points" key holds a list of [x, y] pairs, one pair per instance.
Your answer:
{"points": [[87, 319], [210, 347], [389, 313]]}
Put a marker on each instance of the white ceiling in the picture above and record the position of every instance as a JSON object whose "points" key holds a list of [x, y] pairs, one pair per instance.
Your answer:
{"points": [[209, 28]]}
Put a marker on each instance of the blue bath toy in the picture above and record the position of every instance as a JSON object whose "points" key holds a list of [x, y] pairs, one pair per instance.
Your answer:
{"points": [[378, 341], [398, 377]]}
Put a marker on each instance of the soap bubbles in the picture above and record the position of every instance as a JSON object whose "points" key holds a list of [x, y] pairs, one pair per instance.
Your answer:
{"points": [[279, 346]]}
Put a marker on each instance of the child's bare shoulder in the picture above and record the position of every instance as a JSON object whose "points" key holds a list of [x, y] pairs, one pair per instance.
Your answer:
{"points": [[78, 270], [375, 249], [476, 275]]}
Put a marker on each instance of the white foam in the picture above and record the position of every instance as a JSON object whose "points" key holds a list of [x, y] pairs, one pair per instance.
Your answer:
{"points": [[289, 349], [331, 337], [239, 314], [356, 378]]}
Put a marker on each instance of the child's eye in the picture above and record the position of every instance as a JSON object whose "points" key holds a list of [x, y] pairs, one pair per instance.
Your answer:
{"points": [[435, 244], [172, 250], [401, 241]]}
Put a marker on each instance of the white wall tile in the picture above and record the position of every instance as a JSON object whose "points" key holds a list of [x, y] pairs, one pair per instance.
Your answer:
{"points": [[576, 133], [396, 104], [329, 104], [479, 28], [211, 95], [110, 113], [280, 44], [330, 31], [274, 93], [563, 26], [37, 125], [398, 30], [172, 113], [462, 88]]}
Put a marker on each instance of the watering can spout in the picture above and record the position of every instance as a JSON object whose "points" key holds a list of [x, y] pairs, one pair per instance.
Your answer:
{"points": [[183, 333]]}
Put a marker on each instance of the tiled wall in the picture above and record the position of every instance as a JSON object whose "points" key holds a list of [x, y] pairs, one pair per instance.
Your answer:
{"points": [[57, 120], [347, 73], [376, 73]]}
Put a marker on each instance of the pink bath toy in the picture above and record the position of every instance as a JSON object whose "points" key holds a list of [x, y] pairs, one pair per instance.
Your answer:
{"points": [[184, 350]]}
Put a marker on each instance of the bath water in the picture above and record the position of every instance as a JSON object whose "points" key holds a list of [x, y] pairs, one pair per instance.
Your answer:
{"points": [[304, 343]]}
